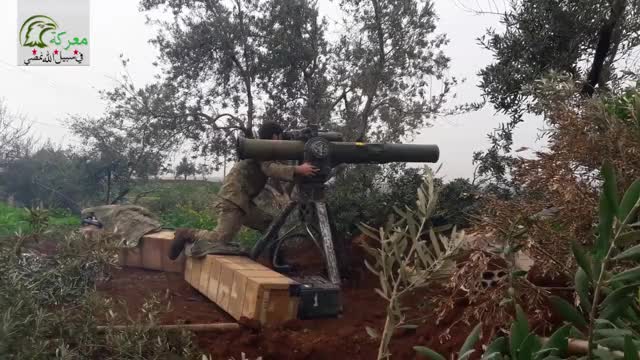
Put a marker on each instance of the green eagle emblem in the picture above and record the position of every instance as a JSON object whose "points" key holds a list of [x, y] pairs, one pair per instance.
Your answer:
{"points": [[34, 28]]}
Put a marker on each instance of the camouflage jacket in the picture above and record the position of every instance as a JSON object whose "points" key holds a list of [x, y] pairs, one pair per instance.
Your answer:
{"points": [[248, 177]]}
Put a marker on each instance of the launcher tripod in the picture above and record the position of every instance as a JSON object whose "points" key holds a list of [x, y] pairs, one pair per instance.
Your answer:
{"points": [[309, 203]]}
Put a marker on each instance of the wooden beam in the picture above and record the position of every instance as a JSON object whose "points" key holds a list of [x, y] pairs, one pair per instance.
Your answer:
{"points": [[216, 327]]}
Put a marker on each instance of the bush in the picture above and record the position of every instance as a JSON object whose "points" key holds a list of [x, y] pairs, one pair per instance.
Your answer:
{"points": [[49, 309], [606, 318], [366, 193]]}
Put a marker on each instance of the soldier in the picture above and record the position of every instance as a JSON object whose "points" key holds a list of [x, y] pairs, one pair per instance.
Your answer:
{"points": [[244, 182]]}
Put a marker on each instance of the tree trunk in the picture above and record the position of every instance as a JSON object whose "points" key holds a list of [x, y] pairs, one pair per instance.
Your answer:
{"points": [[224, 168], [607, 32], [250, 109], [108, 187], [366, 112]]}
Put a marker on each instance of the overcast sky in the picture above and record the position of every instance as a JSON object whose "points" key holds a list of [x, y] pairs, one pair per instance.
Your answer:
{"points": [[46, 95]]}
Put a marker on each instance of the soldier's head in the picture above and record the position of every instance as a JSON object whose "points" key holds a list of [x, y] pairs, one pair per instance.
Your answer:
{"points": [[270, 130]]}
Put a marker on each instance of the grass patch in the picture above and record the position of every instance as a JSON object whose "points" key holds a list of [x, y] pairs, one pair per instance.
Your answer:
{"points": [[189, 218], [17, 220], [187, 204]]}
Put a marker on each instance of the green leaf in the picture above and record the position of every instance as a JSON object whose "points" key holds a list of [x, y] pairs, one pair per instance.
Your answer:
{"points": [[607, 333], [582, 288], [369, 231], [630, 350], [618, 294], [373, 333], [613, 311], [471, 340], [497, 346], [519, 331], [631, 274], [628, 238], [530, 345], [425, 351], [519, 273], [466, 355], [604, 227], [408, 326], [632, 253], [597, 267], [610, 185], [582, 259], [559, 340], [568, 311], [629, 199], [613, 343], [544, 354], [603, 354]]}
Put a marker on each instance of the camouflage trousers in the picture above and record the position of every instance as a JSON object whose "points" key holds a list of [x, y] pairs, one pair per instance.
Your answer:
{"points": [[230, 218]]}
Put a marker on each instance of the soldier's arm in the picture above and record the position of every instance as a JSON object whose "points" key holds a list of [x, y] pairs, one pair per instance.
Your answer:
{"points": [[286, 172], [278, 171]]}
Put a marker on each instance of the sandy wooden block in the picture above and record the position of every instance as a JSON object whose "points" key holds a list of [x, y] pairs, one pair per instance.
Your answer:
{"points": [[203, 283], [196, 270], [214, 280], [152, 253], [244, 288], [224, 288], [131, 257]]}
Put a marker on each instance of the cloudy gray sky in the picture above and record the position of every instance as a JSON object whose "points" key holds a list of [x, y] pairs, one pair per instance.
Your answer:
{"points": [[46, 95]]}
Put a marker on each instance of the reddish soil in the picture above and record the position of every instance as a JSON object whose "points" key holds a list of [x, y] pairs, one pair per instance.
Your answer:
{"points": [[133, 286], [341, 338]]}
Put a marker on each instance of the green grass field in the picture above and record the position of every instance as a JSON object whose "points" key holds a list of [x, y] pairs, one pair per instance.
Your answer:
{"points": [[176, 203], [16, 220]]}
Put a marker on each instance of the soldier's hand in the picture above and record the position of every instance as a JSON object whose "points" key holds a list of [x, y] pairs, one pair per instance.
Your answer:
{"points": [[306, 169]]}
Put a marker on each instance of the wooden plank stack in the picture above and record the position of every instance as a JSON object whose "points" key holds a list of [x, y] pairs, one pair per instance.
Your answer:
{"points": [[152, 253], [244, 288]]}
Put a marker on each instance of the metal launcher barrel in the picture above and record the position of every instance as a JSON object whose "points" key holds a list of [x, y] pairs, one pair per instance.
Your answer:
{"points": [[337, 152]]}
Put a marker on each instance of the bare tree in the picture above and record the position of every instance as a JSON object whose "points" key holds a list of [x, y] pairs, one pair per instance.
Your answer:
{"points": [[15, 134]]}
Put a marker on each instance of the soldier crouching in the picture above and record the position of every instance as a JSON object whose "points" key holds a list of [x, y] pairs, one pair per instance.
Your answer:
{"points": [[236, 208]]}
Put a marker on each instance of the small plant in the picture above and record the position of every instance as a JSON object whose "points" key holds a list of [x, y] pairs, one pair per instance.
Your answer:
{"points": [[38, 219], [606, 323], [408, 255]]}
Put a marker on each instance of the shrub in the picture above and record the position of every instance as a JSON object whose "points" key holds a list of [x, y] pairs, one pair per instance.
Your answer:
{"points": [[408, 255], [49, 309], [366, 193], [606, 319]]}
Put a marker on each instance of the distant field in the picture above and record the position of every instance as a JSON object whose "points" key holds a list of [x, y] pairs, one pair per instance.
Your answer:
{"points": [[13, 220]]}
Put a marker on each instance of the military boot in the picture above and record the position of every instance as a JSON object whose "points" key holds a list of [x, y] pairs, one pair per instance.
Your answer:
{"points": [[201, 248], [181, 238]]}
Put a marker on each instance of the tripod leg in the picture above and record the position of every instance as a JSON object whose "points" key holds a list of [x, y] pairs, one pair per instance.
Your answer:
{"points": [[272, 231], [327, 242]]}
